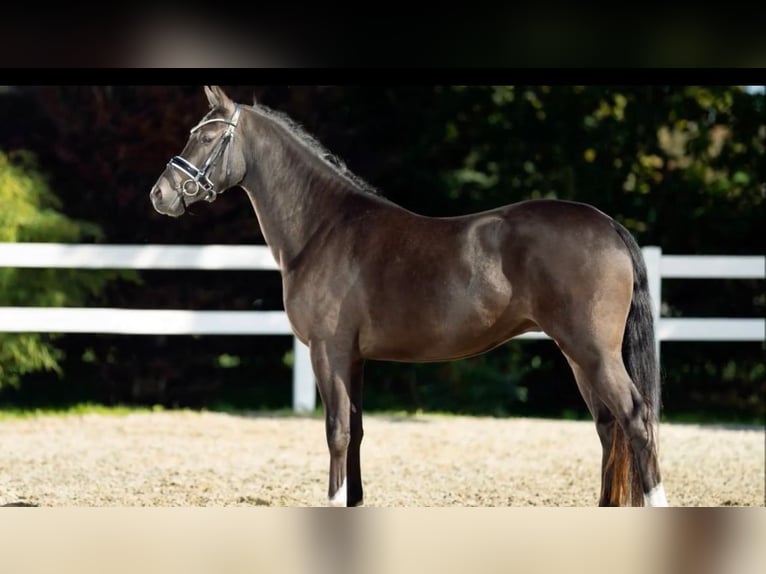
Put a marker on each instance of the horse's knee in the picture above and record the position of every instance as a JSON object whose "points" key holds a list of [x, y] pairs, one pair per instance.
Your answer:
{"points": [[338, 436]]}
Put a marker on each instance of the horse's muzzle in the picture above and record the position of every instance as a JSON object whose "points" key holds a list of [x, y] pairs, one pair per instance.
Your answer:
{"points": [[166, 202]]}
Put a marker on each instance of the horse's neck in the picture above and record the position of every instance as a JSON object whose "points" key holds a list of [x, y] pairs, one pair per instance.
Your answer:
{"points": [[292, 208]]}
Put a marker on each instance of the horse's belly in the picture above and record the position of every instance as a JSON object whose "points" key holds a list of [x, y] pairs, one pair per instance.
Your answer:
{"points": [[453, 331], [435, 348]]}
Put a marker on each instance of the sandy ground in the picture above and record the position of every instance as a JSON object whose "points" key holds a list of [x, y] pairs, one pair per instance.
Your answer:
{"points": [[210, 459]]}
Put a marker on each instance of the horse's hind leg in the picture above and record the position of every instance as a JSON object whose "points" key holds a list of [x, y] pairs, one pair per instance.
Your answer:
{"points": [[604, 375], [605, 423]]}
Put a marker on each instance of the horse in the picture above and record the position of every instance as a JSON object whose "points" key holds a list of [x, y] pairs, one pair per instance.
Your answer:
{"points": [[363, 278]]}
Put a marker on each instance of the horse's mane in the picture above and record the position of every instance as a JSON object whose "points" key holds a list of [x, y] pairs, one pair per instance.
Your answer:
{"points": [[312, 145]]}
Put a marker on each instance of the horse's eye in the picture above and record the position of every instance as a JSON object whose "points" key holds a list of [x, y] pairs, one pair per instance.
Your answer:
{"points": [[206, 139]]}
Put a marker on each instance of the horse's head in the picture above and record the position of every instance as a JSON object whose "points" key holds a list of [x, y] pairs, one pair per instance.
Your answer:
{"points": [[211, 162]]}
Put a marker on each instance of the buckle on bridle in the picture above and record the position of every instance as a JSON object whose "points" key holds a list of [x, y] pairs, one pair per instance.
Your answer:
{"points": [[193, 192], [189, 191]]}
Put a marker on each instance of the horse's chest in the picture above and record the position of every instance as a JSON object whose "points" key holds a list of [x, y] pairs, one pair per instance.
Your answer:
{"points": [[315, 304]]}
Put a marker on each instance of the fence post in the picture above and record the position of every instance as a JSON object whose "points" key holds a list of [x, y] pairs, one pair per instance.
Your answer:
{"points": [[304, 388], [653, 258]]}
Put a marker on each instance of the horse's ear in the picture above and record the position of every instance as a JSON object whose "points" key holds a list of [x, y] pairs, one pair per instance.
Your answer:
{"points": [[217, 97]]}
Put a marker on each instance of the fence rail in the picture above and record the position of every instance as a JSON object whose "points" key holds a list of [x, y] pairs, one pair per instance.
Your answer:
{"points": [[259, 258]]}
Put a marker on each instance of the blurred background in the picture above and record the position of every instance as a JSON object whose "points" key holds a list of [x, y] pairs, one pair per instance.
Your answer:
{"points": [[681, 166]]}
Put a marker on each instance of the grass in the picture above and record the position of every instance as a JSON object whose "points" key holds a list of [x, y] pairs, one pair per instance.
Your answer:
{"points": [[89, 408], [708, 418], [14, 412]]}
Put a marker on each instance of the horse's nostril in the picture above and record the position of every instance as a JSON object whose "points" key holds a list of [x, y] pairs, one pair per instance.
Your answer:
{"points": [[156, 191]]}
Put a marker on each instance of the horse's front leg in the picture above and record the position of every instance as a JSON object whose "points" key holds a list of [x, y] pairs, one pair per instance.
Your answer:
{"points": [[354, 465], [335, 370]]}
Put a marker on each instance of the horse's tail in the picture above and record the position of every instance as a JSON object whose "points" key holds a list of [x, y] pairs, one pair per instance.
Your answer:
{"points": [[640, 358]]}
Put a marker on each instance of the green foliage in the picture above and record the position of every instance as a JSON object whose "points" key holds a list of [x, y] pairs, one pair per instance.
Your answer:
{"points": [[30, 209], [30, 212], [486, 384]]}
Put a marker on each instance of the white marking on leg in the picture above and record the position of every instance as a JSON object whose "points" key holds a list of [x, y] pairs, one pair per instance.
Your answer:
{"points": [[656, 496], [339, 498]]}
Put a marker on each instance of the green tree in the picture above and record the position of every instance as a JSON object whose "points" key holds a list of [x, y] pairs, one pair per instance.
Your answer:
{"points": [[31, 212]]}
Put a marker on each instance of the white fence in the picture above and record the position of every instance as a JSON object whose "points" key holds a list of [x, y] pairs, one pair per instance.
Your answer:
{"points": [[153, 321], [252, 257]]}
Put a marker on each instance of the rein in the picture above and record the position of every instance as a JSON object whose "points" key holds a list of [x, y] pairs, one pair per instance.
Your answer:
{"points": [[198, 179]]}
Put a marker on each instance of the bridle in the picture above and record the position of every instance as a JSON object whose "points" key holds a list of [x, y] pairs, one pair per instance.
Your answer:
{"points": [[199, 178]]}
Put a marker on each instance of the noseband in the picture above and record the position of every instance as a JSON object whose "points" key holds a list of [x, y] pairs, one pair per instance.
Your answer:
{"points": [[199, 178]]}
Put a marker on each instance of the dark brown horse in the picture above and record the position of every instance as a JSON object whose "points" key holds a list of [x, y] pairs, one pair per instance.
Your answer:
{"points": [[364, 278]]}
